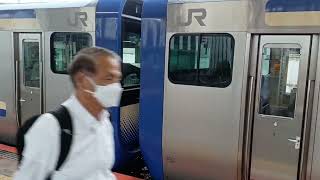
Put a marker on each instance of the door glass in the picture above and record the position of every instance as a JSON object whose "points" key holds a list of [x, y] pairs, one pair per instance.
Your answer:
{"points": [[279, 80], [31, 64]]}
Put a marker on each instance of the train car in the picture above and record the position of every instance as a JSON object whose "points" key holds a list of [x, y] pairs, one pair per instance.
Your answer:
{"points": [[38, 42], [230, 89]]}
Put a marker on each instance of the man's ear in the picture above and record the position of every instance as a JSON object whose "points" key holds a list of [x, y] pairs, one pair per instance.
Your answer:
{"points": [[79, 79]]}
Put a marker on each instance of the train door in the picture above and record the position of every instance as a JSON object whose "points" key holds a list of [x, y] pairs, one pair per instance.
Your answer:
{"points": [[279, 107], [30, 78]]}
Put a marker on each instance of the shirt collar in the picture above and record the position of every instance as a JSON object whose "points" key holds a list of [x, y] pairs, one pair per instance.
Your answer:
{"points": [[81, 115]]}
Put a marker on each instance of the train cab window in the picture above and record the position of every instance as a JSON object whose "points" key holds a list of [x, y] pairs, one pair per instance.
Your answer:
{"points": [[131, 38], [64, 47], [201, 59]]}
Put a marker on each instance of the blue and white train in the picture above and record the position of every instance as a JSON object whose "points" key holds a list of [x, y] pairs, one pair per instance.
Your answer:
{"points": [[225, 90], [39, 41], [230, 89]]}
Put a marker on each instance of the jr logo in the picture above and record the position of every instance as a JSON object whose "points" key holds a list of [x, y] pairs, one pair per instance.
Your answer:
{"points": [[198, 14], [82, 16]]}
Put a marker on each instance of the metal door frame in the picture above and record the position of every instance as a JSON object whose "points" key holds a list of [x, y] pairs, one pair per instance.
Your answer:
{"points": [[290, 42], [19, 62], [309, 119], [309, 123]]}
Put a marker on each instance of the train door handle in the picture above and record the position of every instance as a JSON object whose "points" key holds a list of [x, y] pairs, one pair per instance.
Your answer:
{"points": [[296, 142], [22, 100]]}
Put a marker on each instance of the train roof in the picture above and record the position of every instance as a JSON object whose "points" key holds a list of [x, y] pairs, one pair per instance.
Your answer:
{"points": [[49, 5]]}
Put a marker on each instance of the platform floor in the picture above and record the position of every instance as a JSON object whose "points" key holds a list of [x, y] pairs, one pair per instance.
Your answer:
{"points": [[8, 164], [7, 168]]}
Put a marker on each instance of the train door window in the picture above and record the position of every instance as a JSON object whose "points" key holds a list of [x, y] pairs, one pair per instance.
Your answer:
{"points": [[131, 43], [279, 81], [201, 59], [64, 47], [31, 65]]}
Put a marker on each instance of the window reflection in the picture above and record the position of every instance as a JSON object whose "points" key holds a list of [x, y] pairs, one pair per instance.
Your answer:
{"points": [[31, 64], [279, 80], [201, 59], [64, 46], [131, 52]]}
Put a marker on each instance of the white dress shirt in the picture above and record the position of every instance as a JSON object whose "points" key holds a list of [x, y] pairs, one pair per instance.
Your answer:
{"points": [[91, 156]]}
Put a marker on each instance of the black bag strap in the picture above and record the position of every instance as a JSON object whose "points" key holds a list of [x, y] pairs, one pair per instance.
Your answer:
{"points": [[65, 122]]}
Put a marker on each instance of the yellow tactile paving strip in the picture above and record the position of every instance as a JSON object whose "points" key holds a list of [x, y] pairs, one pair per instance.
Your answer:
{"points": [[5, 177]]}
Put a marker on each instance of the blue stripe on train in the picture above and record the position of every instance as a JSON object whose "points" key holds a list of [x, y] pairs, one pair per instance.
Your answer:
{"points": [[3, 113], [292, 5], [18, 14]]}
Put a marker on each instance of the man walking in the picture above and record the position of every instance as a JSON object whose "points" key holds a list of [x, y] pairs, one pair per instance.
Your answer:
{"points": [[95, 74]]}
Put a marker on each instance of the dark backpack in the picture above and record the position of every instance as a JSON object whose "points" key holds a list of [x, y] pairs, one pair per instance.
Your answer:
{"points": [[65, 122]]}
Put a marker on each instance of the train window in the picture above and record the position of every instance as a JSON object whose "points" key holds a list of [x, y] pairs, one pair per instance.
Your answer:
{"points": [[279, 81], [201, 59], [131, 38], [31, 67], [64, 47], [184, 53]]}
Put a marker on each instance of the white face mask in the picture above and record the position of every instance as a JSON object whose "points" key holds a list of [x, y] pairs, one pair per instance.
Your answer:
{"points": [[109, 95]]}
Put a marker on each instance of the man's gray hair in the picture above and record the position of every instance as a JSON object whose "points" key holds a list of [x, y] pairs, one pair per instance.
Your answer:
{"points": [[97, 52], [85, 61], [82, 63]]}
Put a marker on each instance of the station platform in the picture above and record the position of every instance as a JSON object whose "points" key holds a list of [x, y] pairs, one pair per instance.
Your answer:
{"points": [[8, 164]]}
